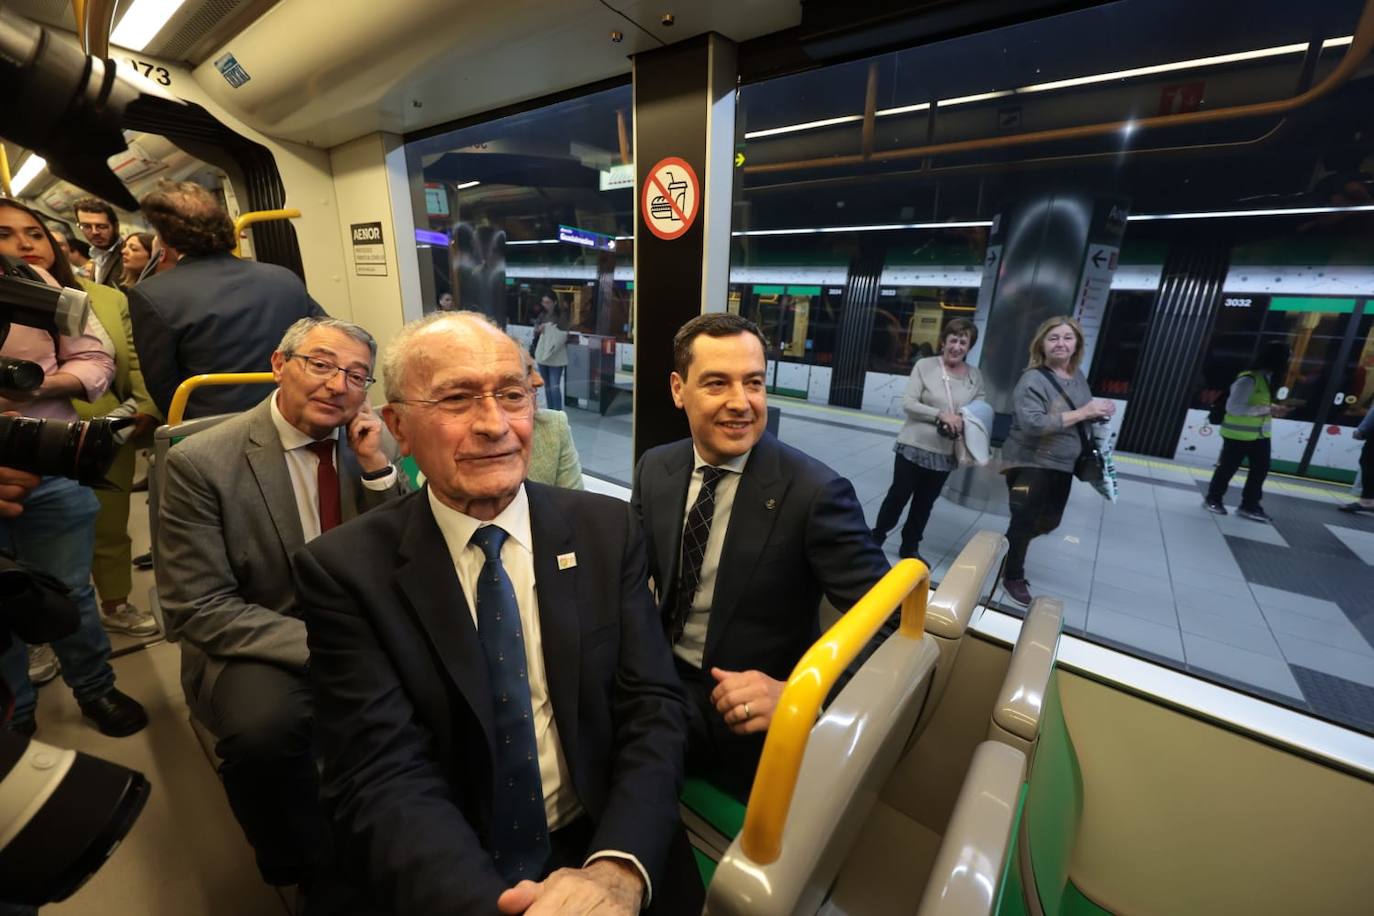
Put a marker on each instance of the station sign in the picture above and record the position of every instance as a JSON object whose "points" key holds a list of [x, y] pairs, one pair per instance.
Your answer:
{"points": [[586, 238], [671, 198], [369, 251]]}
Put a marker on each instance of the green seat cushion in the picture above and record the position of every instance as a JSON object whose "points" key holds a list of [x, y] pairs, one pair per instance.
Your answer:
{"points": [[720, 810]]}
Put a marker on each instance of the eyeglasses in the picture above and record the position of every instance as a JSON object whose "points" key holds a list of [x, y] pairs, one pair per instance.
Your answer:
{"points": [[513, 401], [324, 369], [91, 227]]}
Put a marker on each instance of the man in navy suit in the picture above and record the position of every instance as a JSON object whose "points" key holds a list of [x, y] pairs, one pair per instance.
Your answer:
{"points": [[497, 713], [213, 312], [745, 535]]}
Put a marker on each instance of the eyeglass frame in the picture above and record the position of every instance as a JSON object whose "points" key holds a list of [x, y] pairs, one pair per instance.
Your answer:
{"points": [[438, 403], [368, 381]]}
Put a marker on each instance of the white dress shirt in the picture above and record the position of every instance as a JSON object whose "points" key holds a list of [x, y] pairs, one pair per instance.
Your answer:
{"points": [[692, 645], [303, 466], [561, 805]]}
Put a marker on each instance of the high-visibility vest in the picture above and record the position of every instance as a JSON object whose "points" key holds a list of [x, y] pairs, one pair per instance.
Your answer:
{"points": [[1244, 428]]}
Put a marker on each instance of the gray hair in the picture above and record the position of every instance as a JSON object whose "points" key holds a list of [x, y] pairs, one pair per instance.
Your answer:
{"points": [[295, 335], [396, 359]]}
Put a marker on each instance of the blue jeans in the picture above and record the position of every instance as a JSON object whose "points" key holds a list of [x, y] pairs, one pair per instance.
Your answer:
{"points": [[56, 533], [553, 385]]}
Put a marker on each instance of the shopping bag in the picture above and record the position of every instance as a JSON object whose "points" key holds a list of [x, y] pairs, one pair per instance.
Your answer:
{"points": [[1107, 484]]}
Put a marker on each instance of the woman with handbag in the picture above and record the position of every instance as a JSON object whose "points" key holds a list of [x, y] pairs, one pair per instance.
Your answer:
{"points": [[1050, 442], [940, 386], [551, 347]]}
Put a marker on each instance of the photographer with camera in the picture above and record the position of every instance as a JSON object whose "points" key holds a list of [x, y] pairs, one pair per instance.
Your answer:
{"points": [[55, 532]]}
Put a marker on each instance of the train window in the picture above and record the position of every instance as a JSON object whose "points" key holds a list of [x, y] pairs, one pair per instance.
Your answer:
{"points": [[529, 219], [921, 189]]}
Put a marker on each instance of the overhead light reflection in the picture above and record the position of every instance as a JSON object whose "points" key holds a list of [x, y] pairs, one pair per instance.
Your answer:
{"points": [[809, 125], [27, 173], [142, 21], [468, 184]]}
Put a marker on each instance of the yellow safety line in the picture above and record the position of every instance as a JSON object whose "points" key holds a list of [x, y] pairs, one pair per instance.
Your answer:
{"points": [[184, 390], [258, 216], [908, 584], [1206, 474]]}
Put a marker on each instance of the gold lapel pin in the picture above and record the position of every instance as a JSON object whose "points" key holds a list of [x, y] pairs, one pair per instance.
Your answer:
{"points": [[771, 504]]}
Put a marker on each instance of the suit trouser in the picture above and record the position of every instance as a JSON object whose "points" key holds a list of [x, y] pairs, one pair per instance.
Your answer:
{"points": [[1233, 452], [55, 534], [715, 753], [112, 567], [1037, 497], [920, 485], [263, 717], [1367, 470]]}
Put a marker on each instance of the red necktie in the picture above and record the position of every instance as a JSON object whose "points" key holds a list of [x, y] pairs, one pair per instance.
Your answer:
{"points": [[327, 480]]}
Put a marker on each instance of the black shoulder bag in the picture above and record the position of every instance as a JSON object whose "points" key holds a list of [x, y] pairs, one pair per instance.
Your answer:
{"points": [[1089, 466]]}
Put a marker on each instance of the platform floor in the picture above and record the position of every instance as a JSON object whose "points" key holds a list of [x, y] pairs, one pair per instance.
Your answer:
{"points": [[1284, 611]]}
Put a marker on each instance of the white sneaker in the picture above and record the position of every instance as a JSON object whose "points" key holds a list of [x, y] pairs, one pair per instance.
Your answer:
{"points": [[43, 665], [130, 620]]}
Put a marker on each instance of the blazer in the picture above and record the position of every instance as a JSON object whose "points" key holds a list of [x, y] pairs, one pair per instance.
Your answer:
{"points": [[553, 456], [797, 532], [403, 706], [227, 526], [214, 313], [112, 308]]}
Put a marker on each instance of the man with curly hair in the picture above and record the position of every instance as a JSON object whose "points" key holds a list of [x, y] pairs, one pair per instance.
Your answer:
{"points": [[212, 312]]}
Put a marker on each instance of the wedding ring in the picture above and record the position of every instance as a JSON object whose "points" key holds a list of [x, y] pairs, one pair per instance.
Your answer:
{"points": [[747, 715]]}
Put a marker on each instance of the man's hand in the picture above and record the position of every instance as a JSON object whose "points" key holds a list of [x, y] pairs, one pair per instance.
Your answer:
{"points": [[1358, 436], [14, 488], [745, 699], [607, 886], [365, 438], [144, 423]]}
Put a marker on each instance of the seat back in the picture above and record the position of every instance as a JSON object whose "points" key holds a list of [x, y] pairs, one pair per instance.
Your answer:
{"points": [[819, 777], [1020, 703], [968, 871]]}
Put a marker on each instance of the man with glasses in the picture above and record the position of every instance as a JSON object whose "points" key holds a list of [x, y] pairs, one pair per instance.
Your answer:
{"points": [[239, 499], [496, 709], [99, 223], [212, 312]]}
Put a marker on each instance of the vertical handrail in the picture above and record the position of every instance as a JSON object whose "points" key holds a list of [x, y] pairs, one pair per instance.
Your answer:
{"points": [[258, 216], [94, 26], [5, 172], [907, 584]]}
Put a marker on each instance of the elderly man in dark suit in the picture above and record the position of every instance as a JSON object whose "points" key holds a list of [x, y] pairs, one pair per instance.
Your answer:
{"points": [[497, 713], [212, 312], [239, 499], [745, 535]]}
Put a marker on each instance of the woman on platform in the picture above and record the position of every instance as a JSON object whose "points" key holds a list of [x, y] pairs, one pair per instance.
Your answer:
{"points": [[551, 349], [1050, 402], [940, 386]]}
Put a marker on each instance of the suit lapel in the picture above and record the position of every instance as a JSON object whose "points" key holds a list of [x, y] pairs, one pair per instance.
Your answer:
{"points": [[560, 622], [751, 524], [427, 578], [268, 464], [672, 493]]}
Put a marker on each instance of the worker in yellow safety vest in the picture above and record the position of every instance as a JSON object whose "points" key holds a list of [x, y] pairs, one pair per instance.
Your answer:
{"points": [[1246, 432]]}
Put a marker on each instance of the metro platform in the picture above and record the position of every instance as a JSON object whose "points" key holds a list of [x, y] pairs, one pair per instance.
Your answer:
{"points": [[1281, 611]]}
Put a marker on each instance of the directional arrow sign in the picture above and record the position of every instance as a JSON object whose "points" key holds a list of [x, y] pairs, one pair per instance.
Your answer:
{"points": [[739, 159], [1098, 256]]}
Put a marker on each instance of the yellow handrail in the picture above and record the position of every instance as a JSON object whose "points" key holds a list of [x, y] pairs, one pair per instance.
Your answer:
{"points": [[183, 393], [5, 172], [94, 22], [908, 584], [258, 216]]}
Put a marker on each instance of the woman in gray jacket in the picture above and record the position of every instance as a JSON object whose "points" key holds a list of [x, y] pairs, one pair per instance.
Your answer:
{"points": [[1043, 446], [939, 387]]}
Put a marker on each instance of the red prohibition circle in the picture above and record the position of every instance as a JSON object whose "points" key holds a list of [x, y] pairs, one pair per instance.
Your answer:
{"points": [[654, 188]]}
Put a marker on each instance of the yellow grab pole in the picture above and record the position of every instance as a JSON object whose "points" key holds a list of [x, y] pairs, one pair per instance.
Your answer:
{"points": [[258, 216], [908, 584], [5, 171], [184, 390]]}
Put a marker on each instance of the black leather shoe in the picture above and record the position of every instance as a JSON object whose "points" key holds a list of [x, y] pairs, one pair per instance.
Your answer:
{"points": [[27, 728], [115, 714], [144, 561]]}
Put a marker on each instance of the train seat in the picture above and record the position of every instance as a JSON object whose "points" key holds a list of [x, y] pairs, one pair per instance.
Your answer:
{"points": [[1020, 703], [848, 756]]}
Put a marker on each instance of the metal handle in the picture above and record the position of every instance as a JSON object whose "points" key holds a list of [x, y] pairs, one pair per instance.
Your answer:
{"points": [[184, 390], [258, 216]]}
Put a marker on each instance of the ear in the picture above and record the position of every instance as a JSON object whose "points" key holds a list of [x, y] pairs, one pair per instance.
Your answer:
{"points": [[675, 383], [278, 365], [392, 417]]}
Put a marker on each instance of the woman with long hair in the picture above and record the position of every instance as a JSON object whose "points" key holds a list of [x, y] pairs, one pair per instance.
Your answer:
{"points": [[137, 251], [551, 350], [56, 531], [1051, 402]]}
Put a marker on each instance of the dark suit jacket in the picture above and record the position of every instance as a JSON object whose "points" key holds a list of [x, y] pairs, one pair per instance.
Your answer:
{"points": [[796, 532], [403, 705], [227, 527], [213, 313]]}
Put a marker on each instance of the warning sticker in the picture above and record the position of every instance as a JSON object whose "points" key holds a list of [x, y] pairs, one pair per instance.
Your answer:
{"points": [[671, 198]]}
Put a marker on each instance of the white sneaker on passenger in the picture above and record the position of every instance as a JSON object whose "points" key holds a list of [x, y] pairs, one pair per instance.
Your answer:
{"points": [[43, 665], [128, 619]]}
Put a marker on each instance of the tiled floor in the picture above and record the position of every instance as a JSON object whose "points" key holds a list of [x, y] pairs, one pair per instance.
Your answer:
{"points": [[1285, 611]]}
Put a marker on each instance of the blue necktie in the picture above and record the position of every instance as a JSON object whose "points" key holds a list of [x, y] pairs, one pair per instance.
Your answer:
{"points": [[695, 533], [519, 831]]}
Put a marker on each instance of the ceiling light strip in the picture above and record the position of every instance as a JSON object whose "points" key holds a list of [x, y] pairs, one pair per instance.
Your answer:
{"points": [[142, 21], [809, 125], [27, 173]]}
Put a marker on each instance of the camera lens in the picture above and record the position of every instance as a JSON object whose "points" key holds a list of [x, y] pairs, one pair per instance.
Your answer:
{"points": [[20, 374], [81, 450]]}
